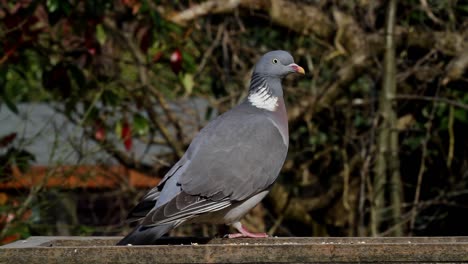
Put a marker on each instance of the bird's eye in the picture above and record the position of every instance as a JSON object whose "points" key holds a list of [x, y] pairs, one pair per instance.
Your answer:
{"points": [[275, 61]]}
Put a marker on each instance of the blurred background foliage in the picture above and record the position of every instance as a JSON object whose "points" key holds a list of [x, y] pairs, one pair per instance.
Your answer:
{"points": [[118, 68]]}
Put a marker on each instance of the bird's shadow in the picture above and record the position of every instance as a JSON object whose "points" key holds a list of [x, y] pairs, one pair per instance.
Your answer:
{"points": [[183, 240]]}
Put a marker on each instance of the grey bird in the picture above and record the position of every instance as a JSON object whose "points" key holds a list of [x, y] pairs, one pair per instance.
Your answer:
{"points": [[230, 165]]}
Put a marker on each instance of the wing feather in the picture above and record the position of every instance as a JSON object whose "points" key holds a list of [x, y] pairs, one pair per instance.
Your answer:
{"points": [[183, 207], [237, 160]]}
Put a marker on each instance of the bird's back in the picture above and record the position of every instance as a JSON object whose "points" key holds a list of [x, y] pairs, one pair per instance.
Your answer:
{"points": [[235, 158]]}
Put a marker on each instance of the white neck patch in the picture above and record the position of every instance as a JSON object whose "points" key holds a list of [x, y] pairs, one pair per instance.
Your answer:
{"points": [[263, 99]]}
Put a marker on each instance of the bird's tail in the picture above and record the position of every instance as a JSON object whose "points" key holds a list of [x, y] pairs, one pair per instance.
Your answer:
{"points": [[142, 235]]}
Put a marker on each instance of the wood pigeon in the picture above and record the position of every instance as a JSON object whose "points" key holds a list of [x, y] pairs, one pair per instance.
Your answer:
{"points": [[230, 165]]}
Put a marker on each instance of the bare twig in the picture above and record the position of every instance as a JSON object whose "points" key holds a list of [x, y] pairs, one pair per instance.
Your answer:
{"points": [[25, 205], [441, 199], [144, 79], [367, 157], [431, 99], [416, 67], [210, 49], [422, 167], [451, 119], [203, 9], [346, 180], [164, 131], [170, 117], [280, 217], [430, 14], [456, 67]]}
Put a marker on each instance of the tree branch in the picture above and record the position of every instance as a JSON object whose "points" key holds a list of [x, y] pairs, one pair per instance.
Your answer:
{"points": [[456, 67], [144, 79], [387, 166], [299, 17], [431, 99]]}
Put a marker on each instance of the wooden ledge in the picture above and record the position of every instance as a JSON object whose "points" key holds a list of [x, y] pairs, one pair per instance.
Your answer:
{"points": [[270, 250]]}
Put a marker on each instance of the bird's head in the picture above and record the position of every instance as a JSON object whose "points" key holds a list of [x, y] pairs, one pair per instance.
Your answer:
{"points": [[277, 63]]}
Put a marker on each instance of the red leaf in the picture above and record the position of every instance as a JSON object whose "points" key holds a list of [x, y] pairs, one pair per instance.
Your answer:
{"points": [[133, 4], [90, 41], [10, 238], [100, 133], [157, 56], [176, 61], [144, 36], [6, 140], [91, 45], [126, 135]]}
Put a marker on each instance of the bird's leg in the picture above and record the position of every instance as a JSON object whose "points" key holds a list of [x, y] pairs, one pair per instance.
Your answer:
{"points": [[244, 232]]}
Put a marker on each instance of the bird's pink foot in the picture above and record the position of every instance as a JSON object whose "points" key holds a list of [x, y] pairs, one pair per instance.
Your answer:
{"points": [[245, 233], [251, 235]]}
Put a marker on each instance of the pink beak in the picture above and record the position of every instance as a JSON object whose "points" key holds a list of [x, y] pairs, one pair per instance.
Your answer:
{"points": [[297, 68]]}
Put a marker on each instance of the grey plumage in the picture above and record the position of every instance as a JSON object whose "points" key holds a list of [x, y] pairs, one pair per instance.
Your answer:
{"points": [[143, 235], [229, 166]]}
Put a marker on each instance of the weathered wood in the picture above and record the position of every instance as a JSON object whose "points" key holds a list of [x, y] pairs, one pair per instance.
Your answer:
{"points": [[271, 250]]}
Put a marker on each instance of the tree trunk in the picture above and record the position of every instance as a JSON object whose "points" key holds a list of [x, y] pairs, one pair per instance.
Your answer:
{"points": [[387, 162]]}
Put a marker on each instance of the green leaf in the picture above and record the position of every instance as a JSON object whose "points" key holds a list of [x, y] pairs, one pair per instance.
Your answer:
{"points": [[109, 97], [144, 7], [77, 75], [461, 115], [23, 160], [412, 142], [209, 113], [118, 128], [100, 34], [85, 230], [189, 61], [4, 92], [140, 124], [52, 5], [462, 8], [359, 121], [91, 113], [9, 103], [188, 83]]}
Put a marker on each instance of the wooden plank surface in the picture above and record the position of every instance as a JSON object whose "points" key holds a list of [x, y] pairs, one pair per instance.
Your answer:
{"points": [[271, 250]]}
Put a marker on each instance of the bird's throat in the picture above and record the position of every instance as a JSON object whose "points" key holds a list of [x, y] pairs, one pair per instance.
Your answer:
{"points": [[262, 93]]}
